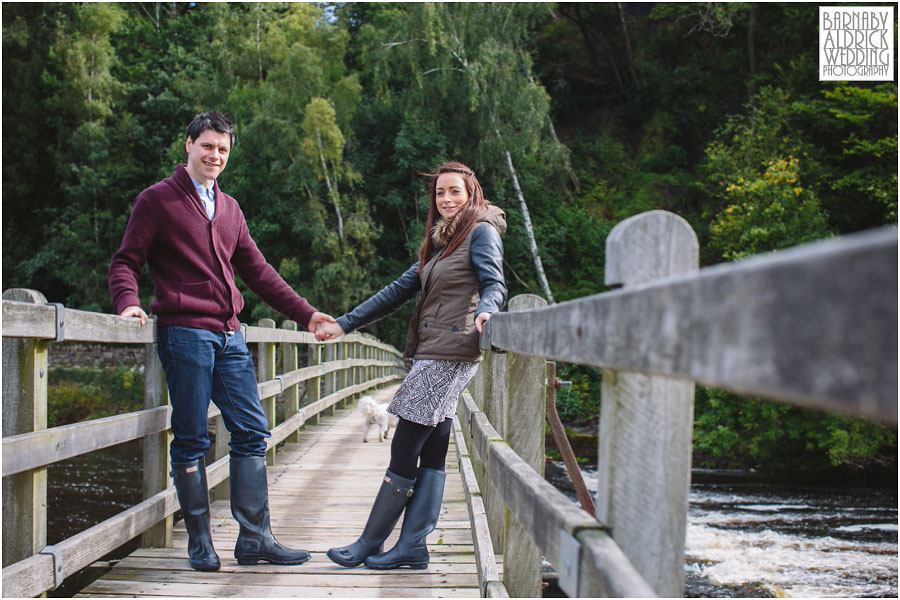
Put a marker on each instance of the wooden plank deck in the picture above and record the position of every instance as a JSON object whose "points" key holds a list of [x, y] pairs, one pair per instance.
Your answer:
{"points": [[320, 493]]}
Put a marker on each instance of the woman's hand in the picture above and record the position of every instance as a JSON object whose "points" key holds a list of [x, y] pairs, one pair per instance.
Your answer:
{"points": [[327, 331], [481, 319]]}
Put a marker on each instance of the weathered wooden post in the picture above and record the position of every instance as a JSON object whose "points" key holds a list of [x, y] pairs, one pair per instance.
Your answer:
{"points": [[265, 371], [329, 378], [493, 401], [313, 391], [156, 446], [291, 394], [354, 372], [644, 447], [24, 411], [342, 376], [370, 370], [526, 385], [223, 437]]}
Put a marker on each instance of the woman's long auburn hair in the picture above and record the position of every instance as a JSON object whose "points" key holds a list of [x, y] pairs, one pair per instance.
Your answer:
{"points": [[467, 216]]}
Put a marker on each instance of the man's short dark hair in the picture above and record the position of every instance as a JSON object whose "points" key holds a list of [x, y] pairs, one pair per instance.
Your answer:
{"points": [[210, 120]]}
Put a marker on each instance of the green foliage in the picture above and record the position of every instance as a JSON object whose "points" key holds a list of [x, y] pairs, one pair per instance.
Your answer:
{"points": [[865, 120], [75, 395], [579, 402], [768, 213], [738, 431]]}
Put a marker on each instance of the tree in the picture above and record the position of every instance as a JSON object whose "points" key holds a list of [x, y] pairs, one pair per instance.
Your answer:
{"points": [[323, 145], [768, 213], [475, 59], [92, 135], [853, 127]]}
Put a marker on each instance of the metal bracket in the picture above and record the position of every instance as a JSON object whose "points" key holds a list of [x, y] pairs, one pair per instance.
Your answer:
{"points": [[280, 379], [56, 553], [570, 560], [60, 321]]}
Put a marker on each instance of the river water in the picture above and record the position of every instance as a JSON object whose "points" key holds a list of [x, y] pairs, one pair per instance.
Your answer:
{"points": [[791, 539], [750, 536], [747, 535]]}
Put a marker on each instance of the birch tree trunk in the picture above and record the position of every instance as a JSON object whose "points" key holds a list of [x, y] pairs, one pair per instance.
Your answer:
{"points": [[332, 189], [529, 230]]}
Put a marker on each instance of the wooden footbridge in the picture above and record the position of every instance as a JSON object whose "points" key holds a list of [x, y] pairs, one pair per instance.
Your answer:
{"points": [[814, 326], [320, 492]]}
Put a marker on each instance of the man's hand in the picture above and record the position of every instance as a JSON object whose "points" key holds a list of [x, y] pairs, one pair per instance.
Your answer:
{"points": [[481, 319], [318, 317], [134, 311], [328, 331]]}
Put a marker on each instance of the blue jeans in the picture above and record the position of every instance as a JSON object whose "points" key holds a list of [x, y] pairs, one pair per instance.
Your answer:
{"points": [[201, 365]]}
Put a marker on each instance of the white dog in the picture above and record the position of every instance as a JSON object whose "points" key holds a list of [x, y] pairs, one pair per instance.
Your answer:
{"points": [[375, 414]]}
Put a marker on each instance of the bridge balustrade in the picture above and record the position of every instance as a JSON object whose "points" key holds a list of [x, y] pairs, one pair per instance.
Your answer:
{"points": [[336, 373], [813, 326]]}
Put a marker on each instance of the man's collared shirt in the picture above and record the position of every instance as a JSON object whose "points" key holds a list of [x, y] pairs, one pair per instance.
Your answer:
{"points": [[207, 196]]}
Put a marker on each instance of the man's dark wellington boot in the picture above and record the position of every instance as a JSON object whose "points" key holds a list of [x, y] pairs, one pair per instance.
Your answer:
{"points": [[420, 519], [389, 503], [193, 497], [250, 507]]}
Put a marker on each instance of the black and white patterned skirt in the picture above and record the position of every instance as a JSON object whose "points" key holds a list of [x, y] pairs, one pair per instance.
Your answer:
{"points": [[431, 389]]}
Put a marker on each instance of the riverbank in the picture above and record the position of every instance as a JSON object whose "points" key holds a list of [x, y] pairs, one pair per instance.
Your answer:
{"points": [[805, 468]]}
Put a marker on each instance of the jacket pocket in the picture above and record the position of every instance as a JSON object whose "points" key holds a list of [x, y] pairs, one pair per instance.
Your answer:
{"points": [[196, 297], [439, 326]]}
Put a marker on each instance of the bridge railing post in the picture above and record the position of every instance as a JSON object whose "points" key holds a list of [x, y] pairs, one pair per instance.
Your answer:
{"points": [[313, 389], [291, 394], [24, 411], [156, 447], [644, 441], [265, 371], [342, 374], [354, 371], [490, 393], [523, 429], [329, 387]]}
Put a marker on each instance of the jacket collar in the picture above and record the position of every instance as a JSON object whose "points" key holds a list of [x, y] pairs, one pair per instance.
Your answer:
{"points": [[184, 184]]}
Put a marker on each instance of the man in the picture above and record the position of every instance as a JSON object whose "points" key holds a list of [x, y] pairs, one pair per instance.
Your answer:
{"points": [[194, 238]]}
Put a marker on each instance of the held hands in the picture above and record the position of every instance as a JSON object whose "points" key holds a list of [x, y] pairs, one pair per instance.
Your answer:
{"points": [[328, 331], [481, 319], [317, 319], [134, 311]]}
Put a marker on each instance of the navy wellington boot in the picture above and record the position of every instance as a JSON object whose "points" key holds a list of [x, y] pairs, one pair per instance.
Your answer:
{"points": [[250, 507], [193, 498], [420, 519], [389, 503]]}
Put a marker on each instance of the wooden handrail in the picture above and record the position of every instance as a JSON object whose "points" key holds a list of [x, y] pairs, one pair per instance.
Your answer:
{"points": [[24, 320], [41, 448], [489, 581], [31, 452], [548, 513], [814, 325]]}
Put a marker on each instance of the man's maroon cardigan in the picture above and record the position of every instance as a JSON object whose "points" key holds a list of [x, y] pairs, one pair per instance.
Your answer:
{"points": [[191, 259]]}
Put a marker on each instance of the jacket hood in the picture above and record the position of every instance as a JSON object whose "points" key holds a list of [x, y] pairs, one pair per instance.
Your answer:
{"points": [[496, 217]]}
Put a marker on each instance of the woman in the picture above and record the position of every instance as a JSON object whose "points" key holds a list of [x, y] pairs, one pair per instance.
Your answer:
{"points": [[460, 274]]}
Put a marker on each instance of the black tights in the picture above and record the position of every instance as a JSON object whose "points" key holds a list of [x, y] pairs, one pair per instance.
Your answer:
{"points": [[422, 444]]}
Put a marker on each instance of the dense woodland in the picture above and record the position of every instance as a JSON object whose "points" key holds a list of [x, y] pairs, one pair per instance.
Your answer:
{"points": [[583, 113]]}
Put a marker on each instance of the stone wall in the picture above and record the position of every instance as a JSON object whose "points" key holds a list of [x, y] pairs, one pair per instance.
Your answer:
{"points": [[69, 354]]}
